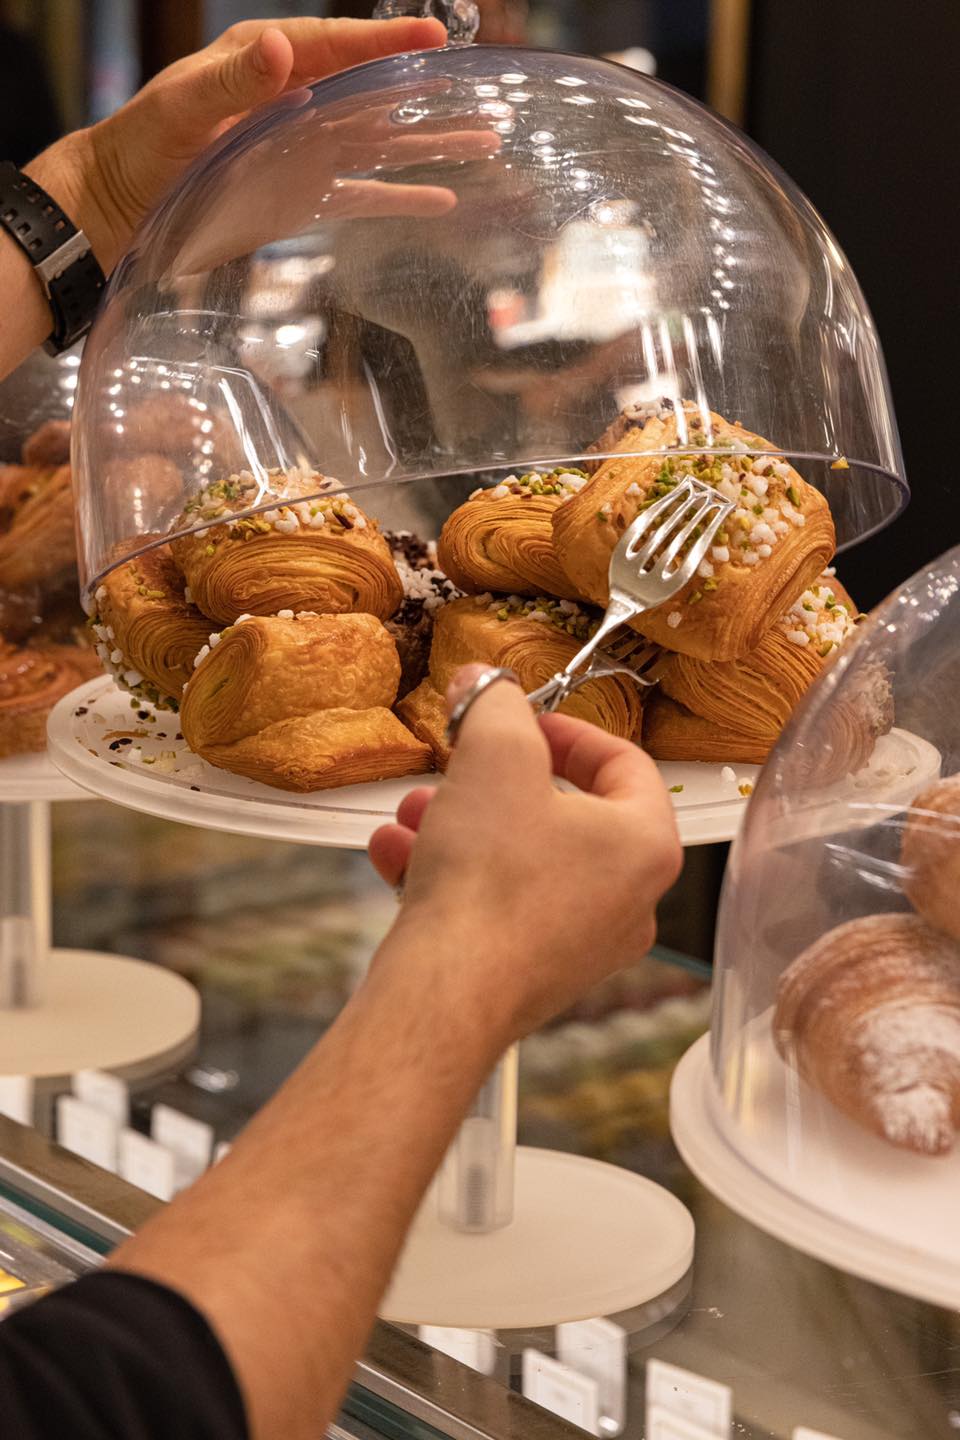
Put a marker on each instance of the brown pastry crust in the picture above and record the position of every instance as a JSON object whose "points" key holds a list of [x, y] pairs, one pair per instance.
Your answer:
{"points": [[497, 632], [49, 445], [745, 703], [930, 851], [32, 680], [301, 703], [38, 546], [724, 612], [424, 712], [870, 1016], [501, 539], [146, 633], [250, 566]]}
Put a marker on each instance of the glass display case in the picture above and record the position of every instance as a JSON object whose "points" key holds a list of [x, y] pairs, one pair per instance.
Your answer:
{"points": [[836, 1037]]}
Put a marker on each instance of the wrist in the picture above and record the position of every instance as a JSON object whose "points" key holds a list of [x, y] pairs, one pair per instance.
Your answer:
{"points": [[67, 170]]}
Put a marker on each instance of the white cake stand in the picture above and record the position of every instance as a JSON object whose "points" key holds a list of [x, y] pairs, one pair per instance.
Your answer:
{"points": [[508, 1238], [67, 1010]]}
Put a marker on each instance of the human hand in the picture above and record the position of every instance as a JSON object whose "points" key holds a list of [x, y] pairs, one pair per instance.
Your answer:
{"points": [[108, 176], [531, 894]]}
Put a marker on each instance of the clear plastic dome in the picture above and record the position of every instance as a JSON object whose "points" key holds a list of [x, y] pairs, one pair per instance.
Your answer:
{"points": [[458, 264], [836, 1030]]}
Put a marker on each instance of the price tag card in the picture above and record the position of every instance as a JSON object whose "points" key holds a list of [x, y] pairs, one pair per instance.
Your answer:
{"points": [[661, 1425], [104, 1092], [598, 1348], [476, 1348], [802, 1433], [190, 1140], [693, 1397], [16, 1098], [87, 1132], [556, 1387], [147, 1165]]}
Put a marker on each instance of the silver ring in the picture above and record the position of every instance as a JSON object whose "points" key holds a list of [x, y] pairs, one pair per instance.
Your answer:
{"points": [[459, 712]]}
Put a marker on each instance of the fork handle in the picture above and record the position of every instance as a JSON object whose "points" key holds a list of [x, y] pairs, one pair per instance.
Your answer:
{"points": [[618, 613]]}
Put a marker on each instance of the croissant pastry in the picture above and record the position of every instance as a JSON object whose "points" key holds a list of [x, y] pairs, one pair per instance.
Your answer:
{"points": [[870, 1016], [147, 633], [301, 702], [510, 633], [318, 554], [774, 545], [32, 680], [736, 709], [38, 546], [930, 851], [502, 538], [631, 418], [49, 445]]}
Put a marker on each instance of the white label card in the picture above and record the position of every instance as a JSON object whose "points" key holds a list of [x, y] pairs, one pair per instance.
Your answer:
{"points": [[16, 1098], [693, 1397], [598, 1349], [147, 1165], [87, 1132], [556, 1387], [104, 1092], [476, 1348], [802, 1433], [190, 1140], [661, 1425]]}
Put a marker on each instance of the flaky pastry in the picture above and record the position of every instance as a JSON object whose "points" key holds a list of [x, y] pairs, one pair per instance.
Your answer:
{"points": [[774, 545], [301, 702], [736, 709], [32, 680], [502, 537], [535, 639], [318, 554], [870, 1016], [147, 633], [930, 852], [37, 547]]}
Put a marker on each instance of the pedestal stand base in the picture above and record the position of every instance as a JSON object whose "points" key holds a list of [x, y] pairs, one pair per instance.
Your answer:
{"points": [[587, 1240], [100, 1012]]}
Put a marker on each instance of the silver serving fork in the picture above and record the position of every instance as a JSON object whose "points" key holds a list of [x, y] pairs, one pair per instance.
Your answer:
{"points": [[641, 577]]}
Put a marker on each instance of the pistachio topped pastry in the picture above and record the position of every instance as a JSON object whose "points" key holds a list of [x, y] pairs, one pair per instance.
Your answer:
{"points": [[314, 549], [776, 542], [502, 537]]}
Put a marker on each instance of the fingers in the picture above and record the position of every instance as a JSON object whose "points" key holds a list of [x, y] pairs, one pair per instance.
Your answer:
{"points": [[499, 742], [360, 199], [195, 98], [322, 47], [413, 807], [599, 763], [389, 849]]}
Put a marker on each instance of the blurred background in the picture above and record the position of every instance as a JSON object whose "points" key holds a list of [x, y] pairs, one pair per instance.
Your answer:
{"points": [[858, 104]]}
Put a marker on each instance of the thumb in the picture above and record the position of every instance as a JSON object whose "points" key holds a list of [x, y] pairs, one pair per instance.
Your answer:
{"points": [[230, 83], [499, 738]]}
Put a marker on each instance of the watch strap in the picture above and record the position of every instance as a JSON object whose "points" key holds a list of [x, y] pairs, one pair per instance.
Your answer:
{"points": [[59, 253]]}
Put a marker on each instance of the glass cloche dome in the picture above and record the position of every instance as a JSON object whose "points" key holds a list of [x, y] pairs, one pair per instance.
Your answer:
{"points": [[437, 270], [834, 1095]]}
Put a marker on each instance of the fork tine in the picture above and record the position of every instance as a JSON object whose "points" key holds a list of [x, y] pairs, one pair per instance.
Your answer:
{"points": [[662, 533], [639, 527], [678, 541], [698, 550]]}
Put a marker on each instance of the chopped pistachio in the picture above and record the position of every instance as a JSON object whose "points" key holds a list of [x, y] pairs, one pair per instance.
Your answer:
{"points": [[695, 598], [792, 495], [675, 789], [746, 788], [710, 584]]}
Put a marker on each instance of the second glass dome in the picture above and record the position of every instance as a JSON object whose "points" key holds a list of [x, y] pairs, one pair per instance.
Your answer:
{"points": [[453, 265]]}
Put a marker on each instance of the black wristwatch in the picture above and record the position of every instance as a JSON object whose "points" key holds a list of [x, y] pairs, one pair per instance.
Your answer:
{"points": [[60, 254]]}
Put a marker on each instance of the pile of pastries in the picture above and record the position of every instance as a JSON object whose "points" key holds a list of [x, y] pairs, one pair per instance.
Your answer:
{"points": [[870, 1013], [44, 647], [306, 649]]}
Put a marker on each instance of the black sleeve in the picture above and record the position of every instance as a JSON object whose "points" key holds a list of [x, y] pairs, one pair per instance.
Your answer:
{"points": [[115, 1357]]}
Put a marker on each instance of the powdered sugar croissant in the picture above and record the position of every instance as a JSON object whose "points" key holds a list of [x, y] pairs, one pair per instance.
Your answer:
{"points": [[870, 1016]]}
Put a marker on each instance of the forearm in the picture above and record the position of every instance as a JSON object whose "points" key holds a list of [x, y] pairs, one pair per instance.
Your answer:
{"points": [[287, 1246]]}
